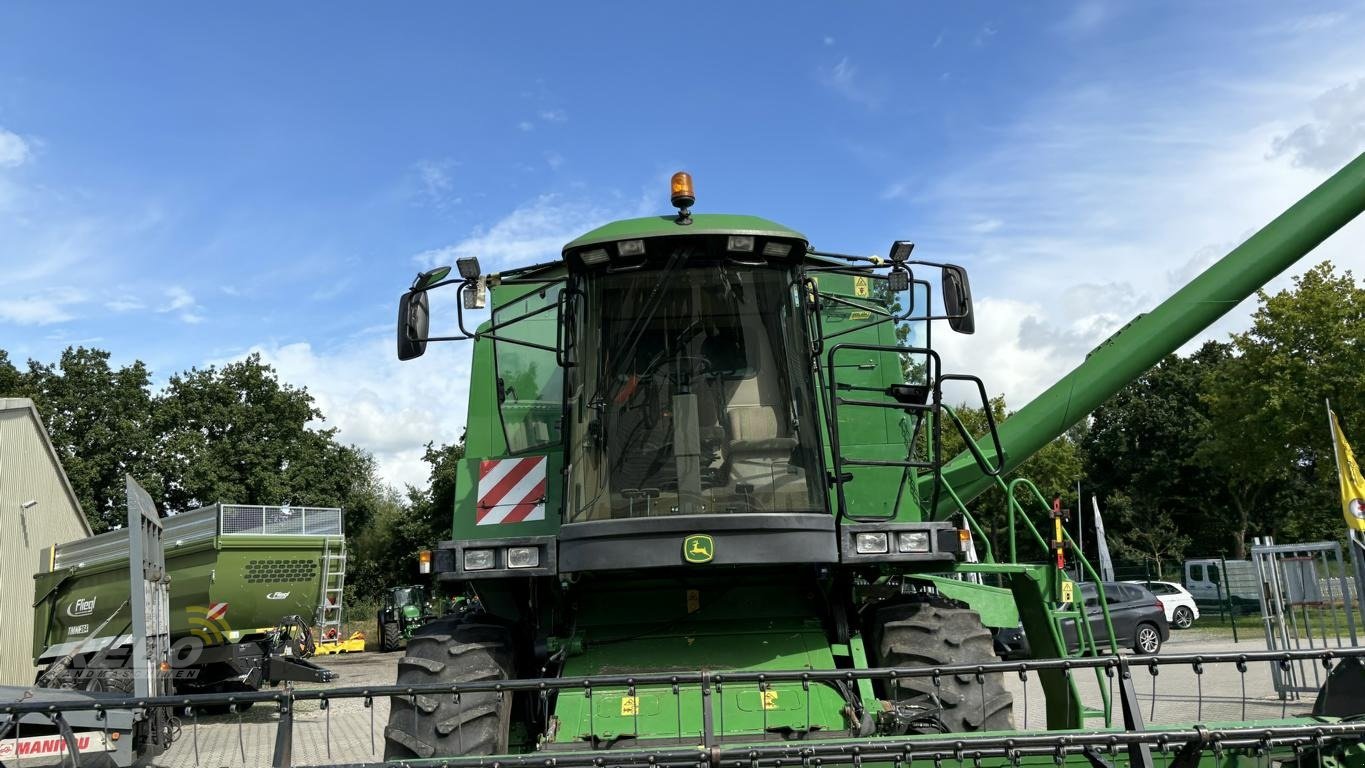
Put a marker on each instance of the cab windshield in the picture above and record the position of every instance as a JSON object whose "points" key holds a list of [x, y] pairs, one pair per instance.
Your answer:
{"points": [[692, 393]]}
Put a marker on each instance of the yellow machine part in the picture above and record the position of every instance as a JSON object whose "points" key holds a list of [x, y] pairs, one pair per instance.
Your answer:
{"points": [[353, 644]]}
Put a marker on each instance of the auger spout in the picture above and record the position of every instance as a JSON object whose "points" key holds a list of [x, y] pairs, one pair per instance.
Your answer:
{"points": [[1149, 337]]}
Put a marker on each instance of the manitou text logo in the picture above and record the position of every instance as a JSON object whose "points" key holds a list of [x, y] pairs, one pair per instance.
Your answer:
{"points": [[699, 548], [81, 607]]}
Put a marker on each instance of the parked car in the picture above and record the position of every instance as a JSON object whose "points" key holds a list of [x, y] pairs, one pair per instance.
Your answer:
{"points": [[1138, 617], [1181, 608]]}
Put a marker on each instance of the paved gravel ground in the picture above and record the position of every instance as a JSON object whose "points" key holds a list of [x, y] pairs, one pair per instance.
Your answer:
{"points": [[356, 732]]}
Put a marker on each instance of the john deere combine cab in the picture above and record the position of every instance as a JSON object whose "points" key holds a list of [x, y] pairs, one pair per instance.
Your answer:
{"points": [[705, 505]]}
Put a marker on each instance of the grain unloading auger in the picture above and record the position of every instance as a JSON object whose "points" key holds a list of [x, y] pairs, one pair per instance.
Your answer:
{"points": [[706, 517]]}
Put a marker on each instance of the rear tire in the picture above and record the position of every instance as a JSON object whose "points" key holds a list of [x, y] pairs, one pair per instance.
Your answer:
{"points": [[1147, 640], [452, 651], [937, 634], [1182, 617], [389, 636]]}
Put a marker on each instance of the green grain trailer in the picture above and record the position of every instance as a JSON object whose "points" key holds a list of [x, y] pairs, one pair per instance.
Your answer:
{"points": [[705, 488], [246, 583]]}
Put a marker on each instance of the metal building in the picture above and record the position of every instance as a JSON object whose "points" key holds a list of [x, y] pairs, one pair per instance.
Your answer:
{"points": [[38, 508]]}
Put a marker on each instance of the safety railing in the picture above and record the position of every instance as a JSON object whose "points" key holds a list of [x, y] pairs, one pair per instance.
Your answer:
{"points": [[712, 746], [1085, 635]]}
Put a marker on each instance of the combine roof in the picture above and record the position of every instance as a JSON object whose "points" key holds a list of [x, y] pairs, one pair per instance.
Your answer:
{"points": [[702, 224]]}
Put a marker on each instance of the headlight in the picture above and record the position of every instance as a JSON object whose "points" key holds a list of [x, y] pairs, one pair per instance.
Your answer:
{"points": [[478, 559], [912, 541], [870, 543], [523, 557]]}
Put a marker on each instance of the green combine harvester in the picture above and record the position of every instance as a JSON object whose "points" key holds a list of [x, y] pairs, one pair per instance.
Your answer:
{"points": [[247, 583], [705, 515]]}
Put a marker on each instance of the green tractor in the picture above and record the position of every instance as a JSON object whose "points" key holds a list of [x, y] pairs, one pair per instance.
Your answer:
{"points": [[405, 610], [701, 450]]}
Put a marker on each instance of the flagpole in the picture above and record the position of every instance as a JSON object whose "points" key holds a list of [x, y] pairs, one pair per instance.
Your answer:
{"points": [[1356, 542]]}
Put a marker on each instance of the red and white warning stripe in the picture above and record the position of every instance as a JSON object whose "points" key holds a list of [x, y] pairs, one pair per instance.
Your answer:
{"points": [[217, 611], [511, 491]]}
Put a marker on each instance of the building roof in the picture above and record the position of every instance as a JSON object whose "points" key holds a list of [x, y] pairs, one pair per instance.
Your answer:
{"points": [[24, 404]]}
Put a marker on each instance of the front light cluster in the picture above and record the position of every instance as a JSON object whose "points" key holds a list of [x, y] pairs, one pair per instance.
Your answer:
{"points": [[512, 557], [879, 542]]}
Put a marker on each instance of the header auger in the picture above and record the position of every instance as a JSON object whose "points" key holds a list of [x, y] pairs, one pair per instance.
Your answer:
{"points": [[706, 516]]}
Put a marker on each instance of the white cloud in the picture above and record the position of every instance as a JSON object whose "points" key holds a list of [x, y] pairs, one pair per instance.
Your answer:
{"points": [[434, 183], [1110, 212], [534, 232], [986, 226], [829, 40], [1334, 136], [554, 115], [554, 160], [14, 151], [526, 125], [183, 304], [388, 408], [124, 304], [843, 79], [42, 308]]}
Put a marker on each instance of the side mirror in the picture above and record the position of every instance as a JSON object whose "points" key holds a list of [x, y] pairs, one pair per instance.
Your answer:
{"points": [[957, 299], [414, 320]]}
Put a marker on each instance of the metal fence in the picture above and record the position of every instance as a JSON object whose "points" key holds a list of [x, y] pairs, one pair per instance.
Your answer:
{"points": [[1298, 613], [1129, 734], [280, 521]]}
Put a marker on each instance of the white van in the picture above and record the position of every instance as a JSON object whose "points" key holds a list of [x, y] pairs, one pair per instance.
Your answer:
{"points": [[1204, 577]]}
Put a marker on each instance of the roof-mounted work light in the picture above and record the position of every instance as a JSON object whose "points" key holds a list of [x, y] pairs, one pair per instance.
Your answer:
{"points": [[469, 267], [900, 251]]}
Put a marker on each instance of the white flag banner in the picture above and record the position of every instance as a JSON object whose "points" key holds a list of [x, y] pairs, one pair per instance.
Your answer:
{"points": [[1106, 563]]}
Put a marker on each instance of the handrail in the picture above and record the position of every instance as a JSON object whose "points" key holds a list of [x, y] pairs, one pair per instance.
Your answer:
{"points": [[1084, 634]]}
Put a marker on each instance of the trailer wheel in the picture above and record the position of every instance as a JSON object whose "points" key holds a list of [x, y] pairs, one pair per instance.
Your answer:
{"points": [[451, 651], [931, 635], [389, 636]]}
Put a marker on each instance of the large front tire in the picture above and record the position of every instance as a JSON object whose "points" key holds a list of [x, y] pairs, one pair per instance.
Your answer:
{"points": [[432, 725], [935, 635], [390, 636]]}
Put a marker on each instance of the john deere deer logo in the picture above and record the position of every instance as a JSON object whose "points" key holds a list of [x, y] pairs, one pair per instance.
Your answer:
{"points": [[699, 548]]}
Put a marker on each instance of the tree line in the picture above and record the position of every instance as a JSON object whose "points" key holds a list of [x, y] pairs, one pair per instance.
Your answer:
{"points": [[234, 434], [1228, 442], [1193, 458]]}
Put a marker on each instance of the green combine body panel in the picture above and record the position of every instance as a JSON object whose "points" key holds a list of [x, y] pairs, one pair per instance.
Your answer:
{"points": [[236, 572], [696, 445]]}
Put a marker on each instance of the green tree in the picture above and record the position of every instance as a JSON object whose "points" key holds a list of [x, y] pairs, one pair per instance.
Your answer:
{"points": [[1270, 435], [1054, 470], [386, 547], [238, 434], [99, 419], [11, 381], [1144, 533], [1144, 455]]}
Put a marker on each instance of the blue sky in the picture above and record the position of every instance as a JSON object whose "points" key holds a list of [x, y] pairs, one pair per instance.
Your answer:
{"points": [[184, 184]]}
